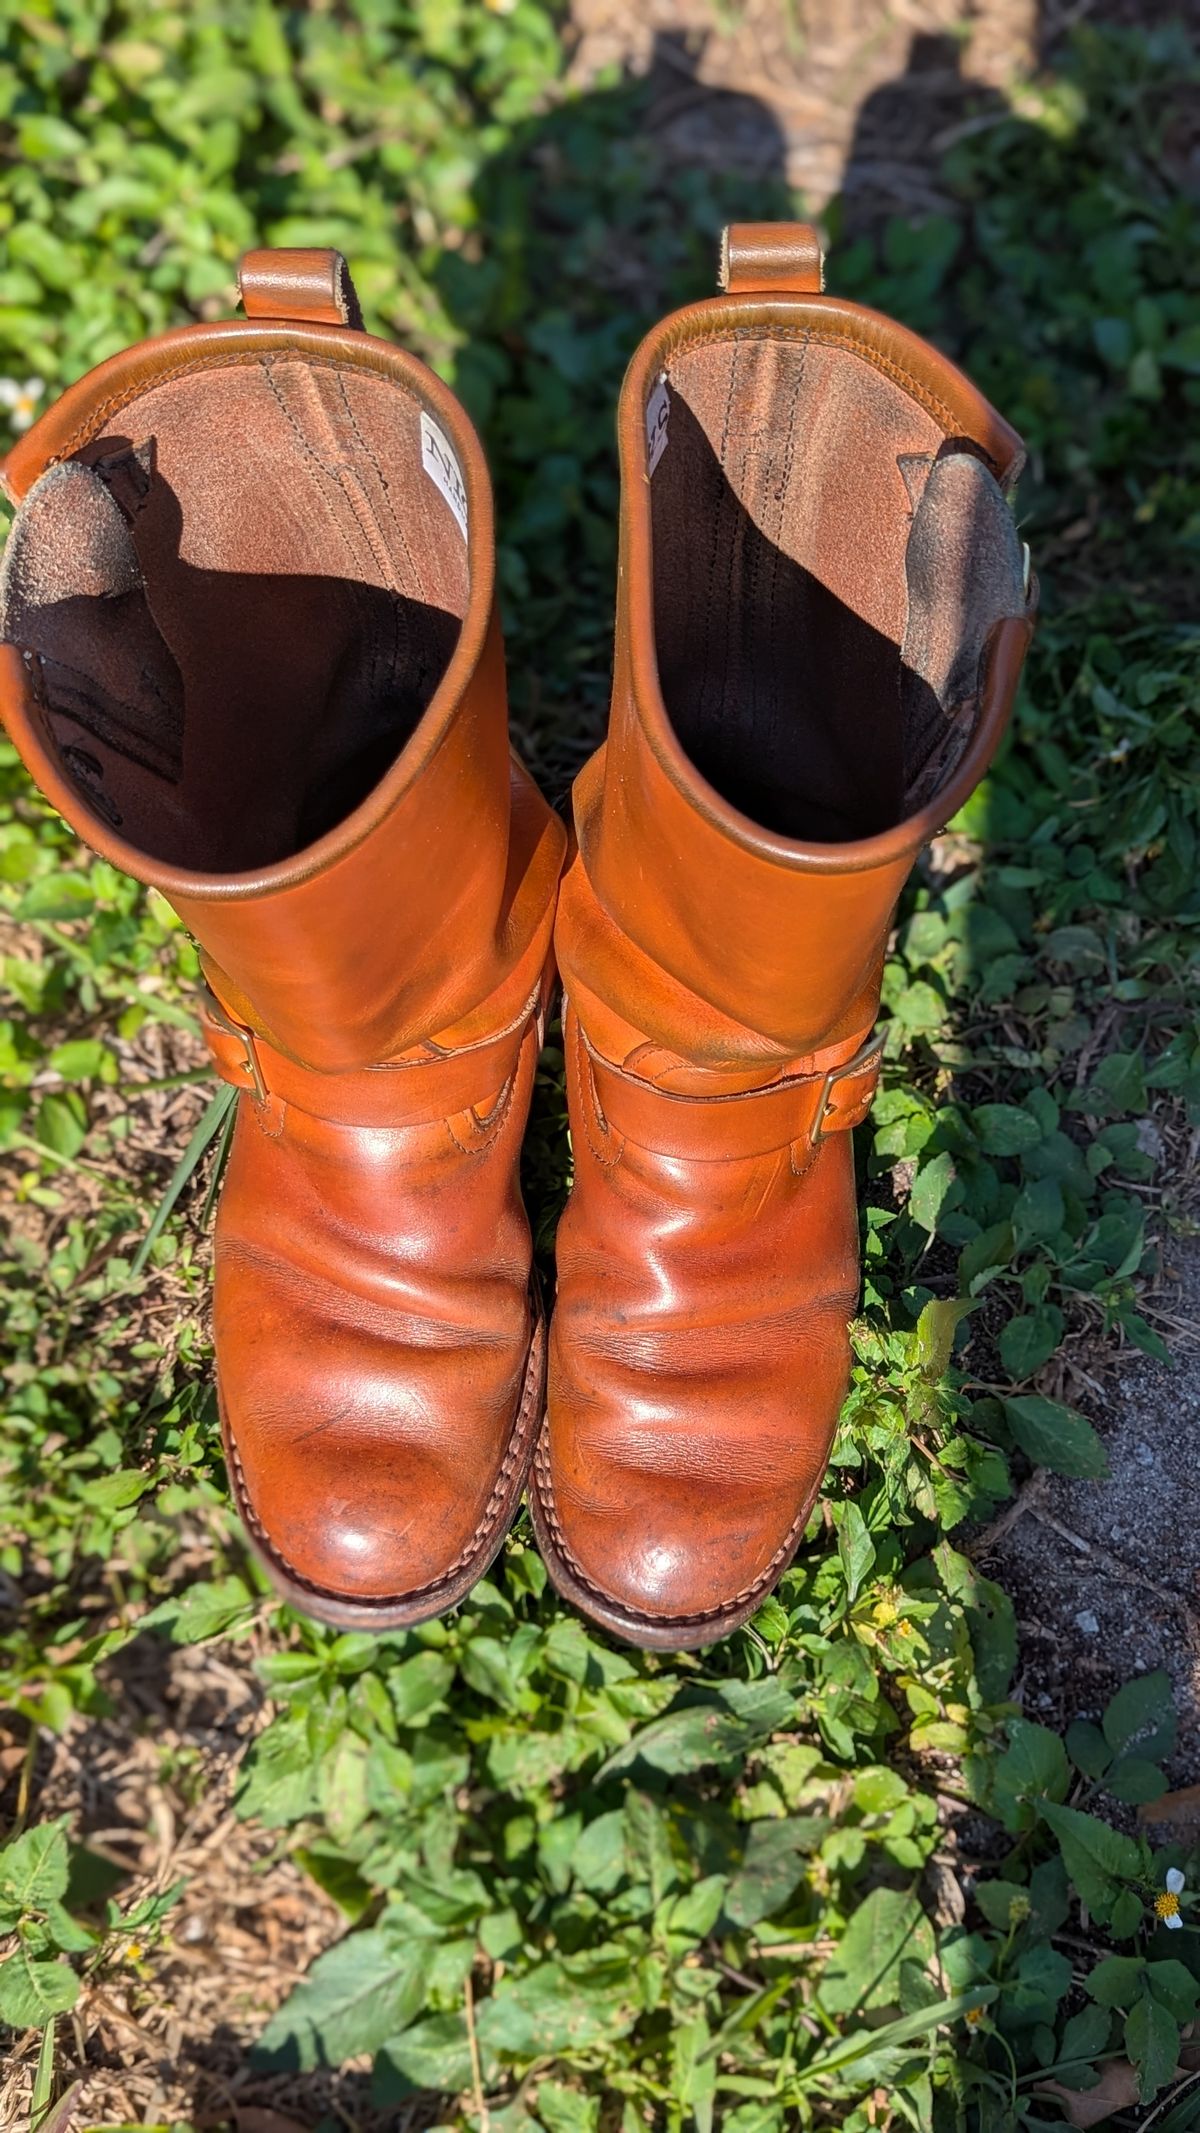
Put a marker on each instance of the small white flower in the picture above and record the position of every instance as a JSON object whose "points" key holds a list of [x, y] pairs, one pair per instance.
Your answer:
{"points": [[1119, 753], [1166, 1906], [21, 400]]}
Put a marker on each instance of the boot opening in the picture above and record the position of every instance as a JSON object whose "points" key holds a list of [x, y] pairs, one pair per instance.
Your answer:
{"points": [[828, 565], [241, 598]]}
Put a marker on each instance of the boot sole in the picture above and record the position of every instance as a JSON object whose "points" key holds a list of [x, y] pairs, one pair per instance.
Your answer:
{"points": [[339, 1610], [653, 1633]]}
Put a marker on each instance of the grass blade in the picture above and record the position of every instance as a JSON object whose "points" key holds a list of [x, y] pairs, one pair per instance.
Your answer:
{"points": [[206, 1130]]}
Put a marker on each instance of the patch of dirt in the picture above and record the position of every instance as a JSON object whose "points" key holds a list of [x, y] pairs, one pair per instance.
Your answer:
{"points": [[1105, 1575], [860, 97], [164, 2036]]}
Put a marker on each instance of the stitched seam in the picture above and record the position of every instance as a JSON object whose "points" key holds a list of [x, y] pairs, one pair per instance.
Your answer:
{"points": [[373, 456], [778, 1562], [493, 1125], [831, 339], [789, 458], [478, 1540], [315, 466], [606, 1162], [93, 422]]}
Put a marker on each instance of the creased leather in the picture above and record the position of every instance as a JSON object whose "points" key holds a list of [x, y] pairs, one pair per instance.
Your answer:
{"points": [[719, 975], [379, 1004]]}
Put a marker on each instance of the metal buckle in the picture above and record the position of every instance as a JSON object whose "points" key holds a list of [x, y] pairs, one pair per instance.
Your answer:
{"points": [[245, 1038], [871, 1048]]}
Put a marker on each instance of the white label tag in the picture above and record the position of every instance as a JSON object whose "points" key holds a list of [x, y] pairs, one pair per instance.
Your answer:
{"points": [[441, 464], [658, 409]]}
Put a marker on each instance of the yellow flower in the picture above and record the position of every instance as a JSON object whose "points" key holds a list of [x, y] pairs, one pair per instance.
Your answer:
{"points": [[1166, 1905], [974, 2016]]}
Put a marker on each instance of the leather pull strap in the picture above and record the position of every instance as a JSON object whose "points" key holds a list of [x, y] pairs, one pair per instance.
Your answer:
{"points": [[310, 285], [771, 258]]}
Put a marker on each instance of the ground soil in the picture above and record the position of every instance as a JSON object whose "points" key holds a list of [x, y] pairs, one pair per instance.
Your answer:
{"points": [[837, 95], [1105, 1575]]}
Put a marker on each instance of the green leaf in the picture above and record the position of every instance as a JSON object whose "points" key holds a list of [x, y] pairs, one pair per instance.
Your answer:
{"points": [[855, 1547], [931, 1188], [996, 1900], [339, 1878], [1096, 1857], [1118, 1085], [115, 1492], [564, 2110], [418, 1687], [1038, 1211], [356, 1996], [343, 1787], [1141, 1716], [936, 1328], [32, 1992], [1056, 1437], [61, 1123], [560, 2007], [1172, 1983], [434, 2054], [1134, 1781], [1029, 1341], [1039, 1984], [773, 1866], [696, 1912], [887, 1930], [1004, 1129], [69, 1937], [1033, 1765], [202, 1611], [991, 1620], [1152, 2041], [1085, 2036], [722, 1727], [1087, 1748], [35, 1867], [1127, 1916]]}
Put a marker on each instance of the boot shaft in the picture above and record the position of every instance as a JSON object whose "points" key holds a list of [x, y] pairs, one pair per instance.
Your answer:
{"points": [[821, 620], [253, 658]]}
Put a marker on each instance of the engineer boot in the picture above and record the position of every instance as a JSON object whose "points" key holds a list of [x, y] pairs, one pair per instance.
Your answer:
{"points": [[822, 612], [251, 654]]}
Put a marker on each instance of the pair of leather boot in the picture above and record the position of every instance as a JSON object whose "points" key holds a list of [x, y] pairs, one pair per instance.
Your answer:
{"points": [[251, 654]]}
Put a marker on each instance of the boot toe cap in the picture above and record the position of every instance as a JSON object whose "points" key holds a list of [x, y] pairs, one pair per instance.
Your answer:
{"points": [[666, 1558]]}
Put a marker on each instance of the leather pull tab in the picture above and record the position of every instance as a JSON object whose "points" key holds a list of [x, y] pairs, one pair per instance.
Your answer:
{"points": [[310, 285], [772, 259]]}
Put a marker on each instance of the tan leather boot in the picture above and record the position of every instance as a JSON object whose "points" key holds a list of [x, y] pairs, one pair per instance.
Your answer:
{"points": [[821, 619], [252, 656]]}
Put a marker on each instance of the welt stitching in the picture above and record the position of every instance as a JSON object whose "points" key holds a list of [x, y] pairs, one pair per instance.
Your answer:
{"points": [[544, 1488], [495, 1504]]}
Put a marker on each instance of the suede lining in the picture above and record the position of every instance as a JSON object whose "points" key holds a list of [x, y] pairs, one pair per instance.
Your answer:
{"points": [[827, 568], [240, 601]]}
